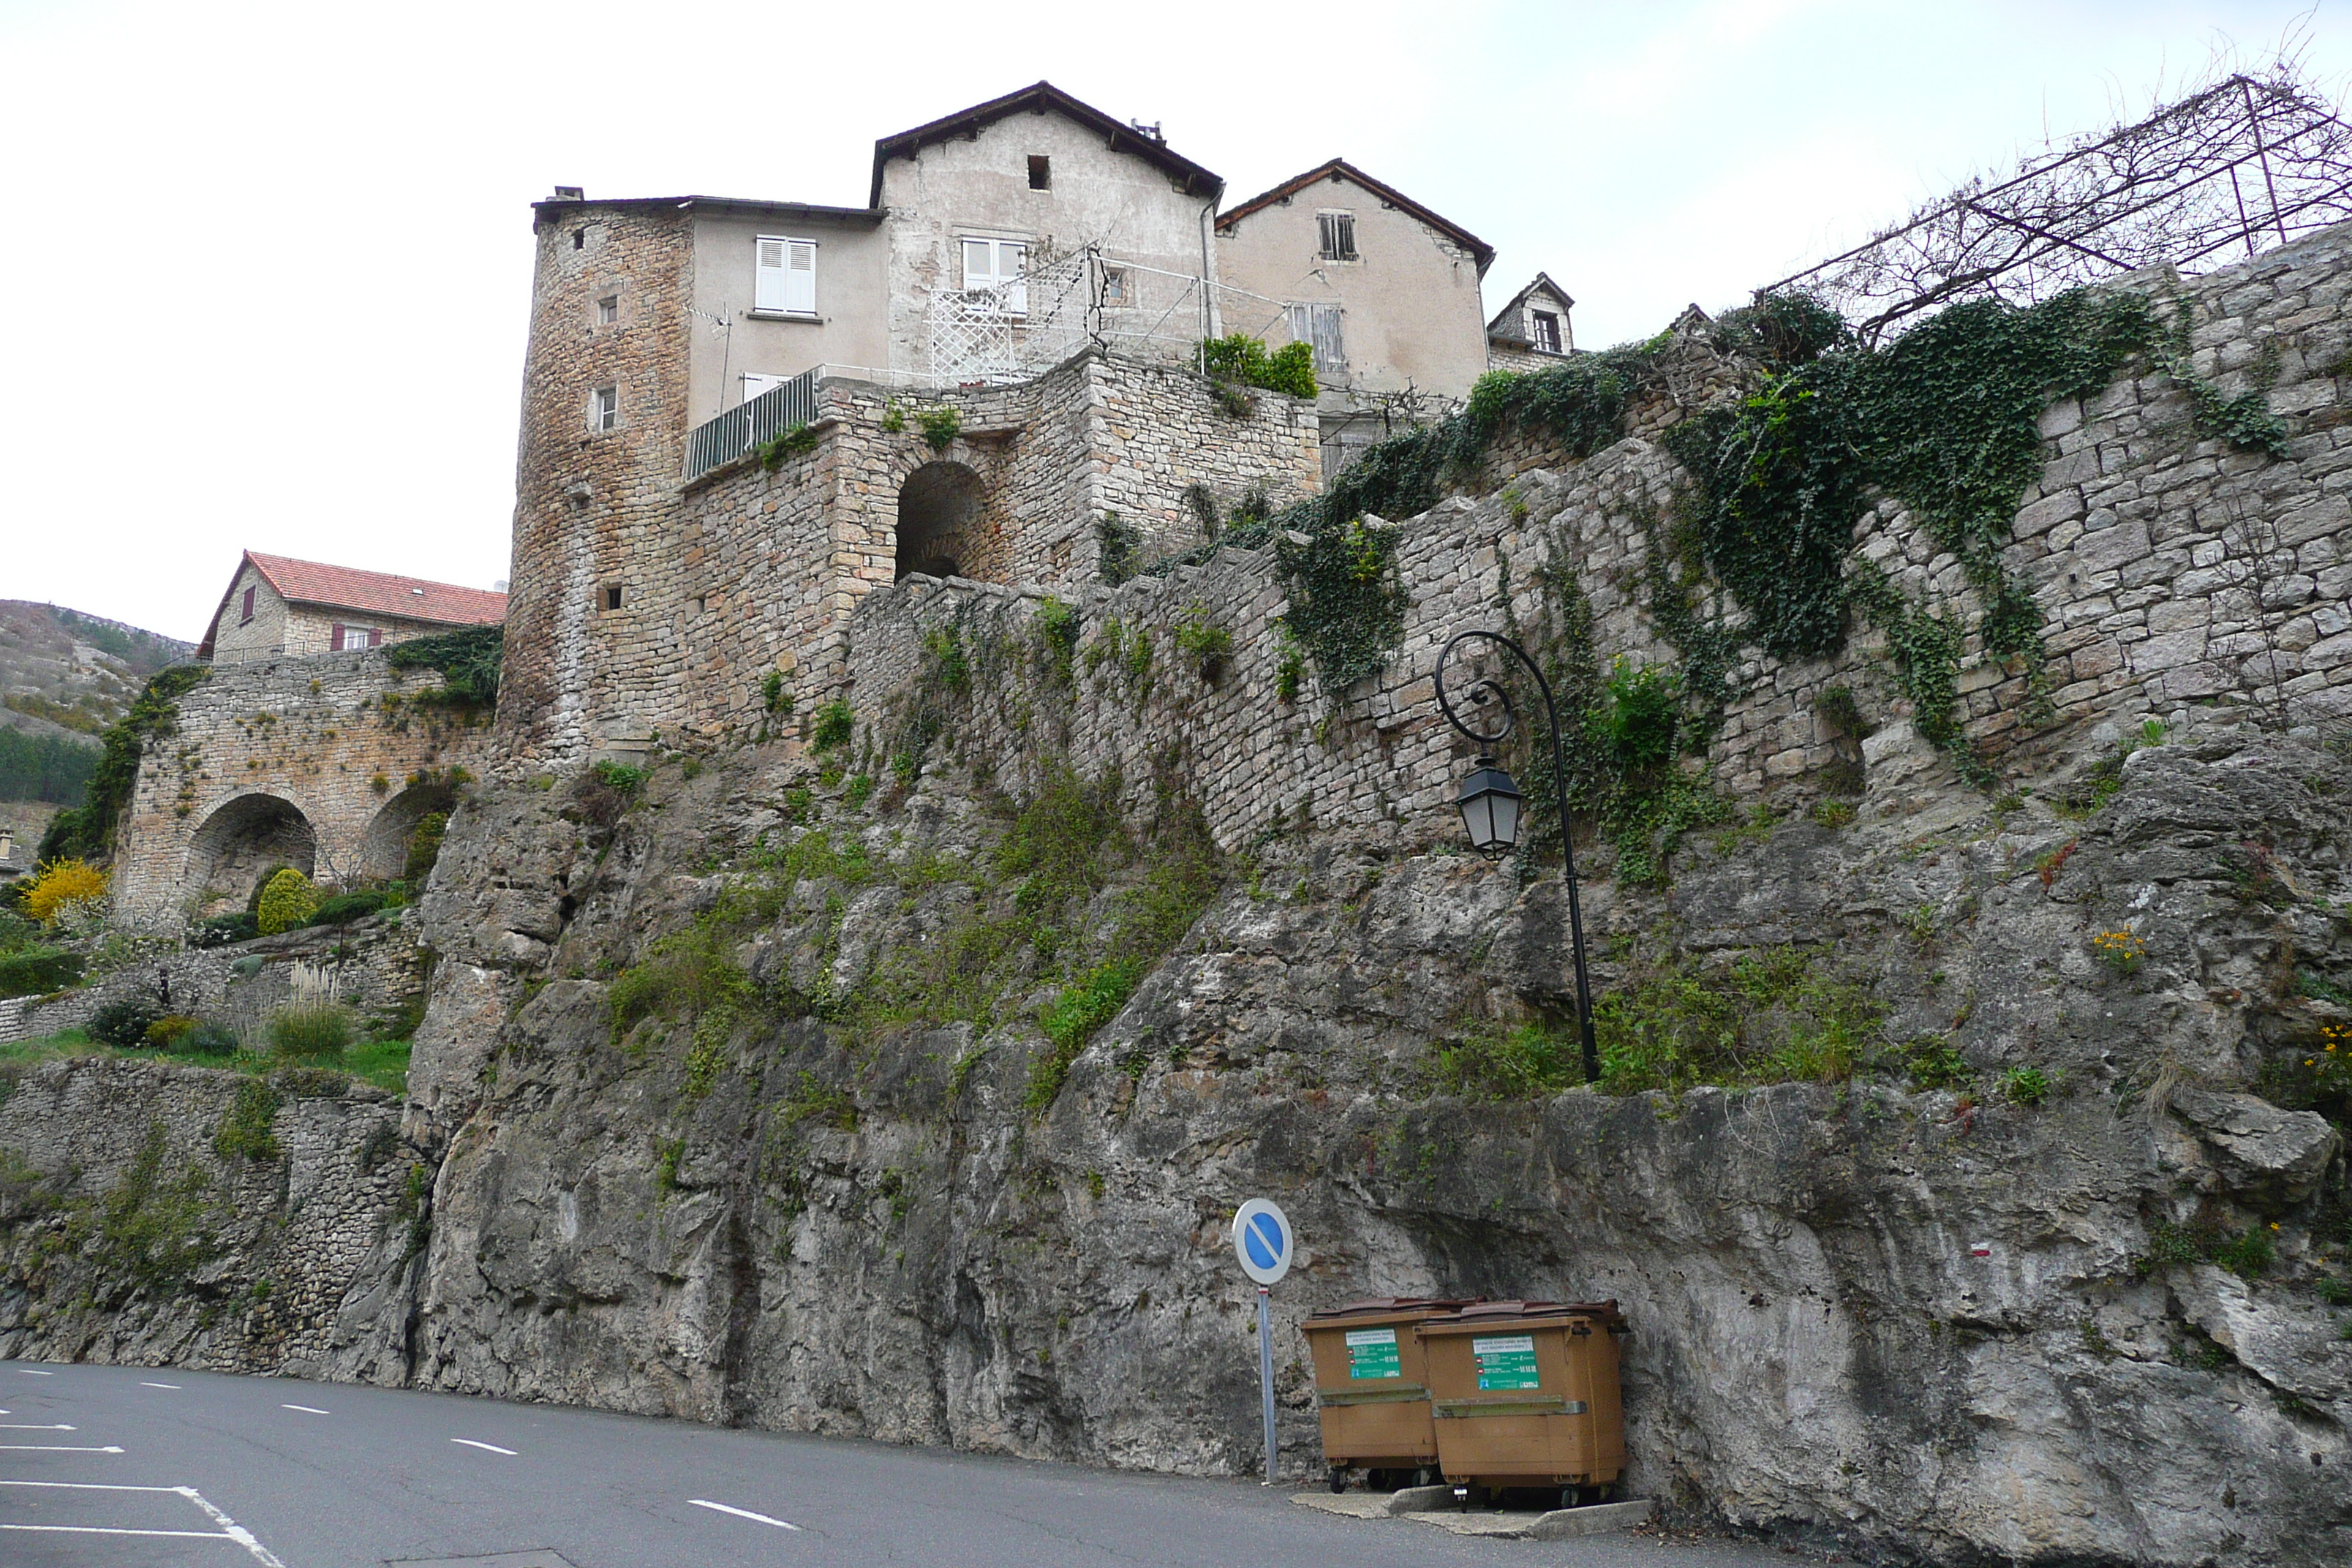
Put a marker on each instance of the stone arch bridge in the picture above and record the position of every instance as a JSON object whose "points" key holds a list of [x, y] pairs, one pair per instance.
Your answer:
{"points": [[324, 763]]}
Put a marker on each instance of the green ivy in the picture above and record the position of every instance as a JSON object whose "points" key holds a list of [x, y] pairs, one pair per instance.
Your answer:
{"points": [[87, 831], [796, 442], [468, 660]]}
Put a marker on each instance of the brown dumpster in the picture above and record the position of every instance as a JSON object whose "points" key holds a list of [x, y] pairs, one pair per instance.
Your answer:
{"points": [[1372, 1387], [1524, 1393]]}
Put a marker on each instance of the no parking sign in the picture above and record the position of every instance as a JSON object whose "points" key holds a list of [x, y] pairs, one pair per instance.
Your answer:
{"points": [[1263, 1244]]}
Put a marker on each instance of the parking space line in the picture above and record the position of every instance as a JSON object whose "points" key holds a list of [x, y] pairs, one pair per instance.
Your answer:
{"points": [[306, 1409], [28, 1426], [173, 1385], [52, 1448], [493, 1448], [28, 1371], [229, 1528], [744, 1513]]}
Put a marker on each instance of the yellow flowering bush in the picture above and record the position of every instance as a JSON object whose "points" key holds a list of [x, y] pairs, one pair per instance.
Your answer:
{"points": [[62, 882], [2331, 1064], [2119, 950]]}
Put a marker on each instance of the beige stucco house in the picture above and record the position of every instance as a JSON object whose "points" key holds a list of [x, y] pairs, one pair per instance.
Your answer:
{"points": [[278, 607]]}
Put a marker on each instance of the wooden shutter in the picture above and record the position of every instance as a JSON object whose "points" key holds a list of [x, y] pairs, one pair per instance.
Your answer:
{"points": [[248, 605], [800, 275], [1330, 353], [769, 290], [376, 636], [335, 642]]}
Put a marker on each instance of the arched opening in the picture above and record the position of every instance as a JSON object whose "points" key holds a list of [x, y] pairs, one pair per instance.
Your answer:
{"points": [[392, 839], [940, 509], [245, 841]]}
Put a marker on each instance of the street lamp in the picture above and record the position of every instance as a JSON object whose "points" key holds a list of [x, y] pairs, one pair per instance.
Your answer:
{"points": [[1490, 803]]}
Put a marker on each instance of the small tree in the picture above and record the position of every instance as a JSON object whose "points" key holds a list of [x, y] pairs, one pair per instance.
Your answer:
{"points": [[288, 900]]}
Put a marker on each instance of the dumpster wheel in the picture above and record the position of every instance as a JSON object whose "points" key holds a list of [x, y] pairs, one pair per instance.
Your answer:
{"points": [[1339, 1479]]}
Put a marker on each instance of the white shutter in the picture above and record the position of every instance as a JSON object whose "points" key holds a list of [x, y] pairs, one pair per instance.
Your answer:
{"points": [[770, 292], [800, 277], [1012, 267], [1330, 353], [754, 385]]}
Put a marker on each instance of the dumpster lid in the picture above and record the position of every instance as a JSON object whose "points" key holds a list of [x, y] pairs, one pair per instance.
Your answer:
{"points": [[1372, 1306], [1483, 1312]]}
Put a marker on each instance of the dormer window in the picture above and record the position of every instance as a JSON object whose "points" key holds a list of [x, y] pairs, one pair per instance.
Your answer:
{"points": [[1546, 330]]}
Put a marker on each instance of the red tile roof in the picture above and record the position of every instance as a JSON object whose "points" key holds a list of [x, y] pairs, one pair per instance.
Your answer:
{"points": [[382, 593]]}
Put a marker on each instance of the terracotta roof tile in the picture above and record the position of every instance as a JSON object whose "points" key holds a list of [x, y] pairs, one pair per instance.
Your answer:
{"points": [[379, 593]]}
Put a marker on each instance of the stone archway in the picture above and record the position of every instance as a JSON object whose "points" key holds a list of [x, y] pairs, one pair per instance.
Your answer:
{"points": [[245, 841], [943, 522], [383, 849]]}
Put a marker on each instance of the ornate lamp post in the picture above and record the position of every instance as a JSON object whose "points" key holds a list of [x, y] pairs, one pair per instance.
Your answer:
{"points": [[1491, 803]]}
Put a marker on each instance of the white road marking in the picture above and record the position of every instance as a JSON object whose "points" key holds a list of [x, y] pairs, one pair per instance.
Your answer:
{"points": [[744, 1513], [40, 1448], [27, 1427], [493, 1448], [231, 1528], [306, 1409], [159, 1386], [28, 1371]]}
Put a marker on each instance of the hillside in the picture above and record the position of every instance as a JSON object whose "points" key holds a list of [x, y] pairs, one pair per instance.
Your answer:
{"points": [[63, 677]]}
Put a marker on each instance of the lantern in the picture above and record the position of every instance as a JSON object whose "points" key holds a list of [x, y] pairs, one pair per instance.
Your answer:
{"points": [[1490, 809]]}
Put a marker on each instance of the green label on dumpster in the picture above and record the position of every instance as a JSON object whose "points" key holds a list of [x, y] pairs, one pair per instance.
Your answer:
{"points": [[1373, 1352], [1507, 1361]]}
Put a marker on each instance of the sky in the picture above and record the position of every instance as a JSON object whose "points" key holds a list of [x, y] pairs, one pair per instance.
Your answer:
{"points": [[270, 264]]}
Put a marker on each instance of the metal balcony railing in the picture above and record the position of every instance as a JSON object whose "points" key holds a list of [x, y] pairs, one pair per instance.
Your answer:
{"points": [[750, 423]]}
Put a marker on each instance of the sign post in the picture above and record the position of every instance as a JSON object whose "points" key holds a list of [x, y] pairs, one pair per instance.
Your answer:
{"points": [[1262, 1240]]}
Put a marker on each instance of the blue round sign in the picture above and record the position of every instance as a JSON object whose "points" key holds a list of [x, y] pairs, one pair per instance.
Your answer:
{"points": [[1263, 1241]]}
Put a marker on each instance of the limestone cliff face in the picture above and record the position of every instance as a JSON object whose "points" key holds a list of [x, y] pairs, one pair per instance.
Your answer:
{"points": [[1955, 1322]]}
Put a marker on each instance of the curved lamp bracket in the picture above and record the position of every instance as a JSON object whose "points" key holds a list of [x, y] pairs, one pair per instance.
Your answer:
{"points": [[1483, 693]]}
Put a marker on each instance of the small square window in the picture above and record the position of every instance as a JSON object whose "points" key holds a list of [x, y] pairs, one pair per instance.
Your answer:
{"points": [[1114, 285], [1040, 171], [608, 309], [604, 408], [612, 595], [579, 239], [1337, 232]]}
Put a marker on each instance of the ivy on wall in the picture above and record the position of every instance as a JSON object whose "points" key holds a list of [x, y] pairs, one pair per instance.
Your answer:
{"points": [[470, 661], [87, 831]]}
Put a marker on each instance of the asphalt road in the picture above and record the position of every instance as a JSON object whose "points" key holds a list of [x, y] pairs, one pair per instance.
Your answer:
{"points": [[137, 1468]]}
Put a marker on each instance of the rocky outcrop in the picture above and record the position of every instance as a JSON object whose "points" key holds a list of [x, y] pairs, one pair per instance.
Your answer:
{"points": [[2045, 1279]]}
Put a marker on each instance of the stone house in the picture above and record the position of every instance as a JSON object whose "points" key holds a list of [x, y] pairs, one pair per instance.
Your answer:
{"points": [[278, 607], [1532, 331], [1387, 291]]}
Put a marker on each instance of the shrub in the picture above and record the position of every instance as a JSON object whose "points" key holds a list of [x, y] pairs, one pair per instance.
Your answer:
{"points": [[223, 929], [165, 1033], [940, 427], [424, 846], [469, 661], [796, 442], [123, 1023], [1207, 644], [206, 1040], [1641, 712], [773, 697], [1071, 1019], [2026, 1086], [837, 722], [1241, 359], [619, 777], [287, 900], [345, 908], [311, 1031], [37, 970], [60, 882]]}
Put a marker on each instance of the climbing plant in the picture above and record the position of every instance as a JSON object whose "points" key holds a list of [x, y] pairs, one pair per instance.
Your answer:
{"points": [[468, 660], [87, 831]]}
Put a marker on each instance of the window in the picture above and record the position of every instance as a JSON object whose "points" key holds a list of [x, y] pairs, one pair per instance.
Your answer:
{"points": [[1040, 171], [786, 280], [1114, 285], [612, 595], [350, 639], [1320, 325], [604, 408], [608, 309], [579, 239], [1001, 264], [1338, 234], [702, 603], [247, 613], [1546, 332]]}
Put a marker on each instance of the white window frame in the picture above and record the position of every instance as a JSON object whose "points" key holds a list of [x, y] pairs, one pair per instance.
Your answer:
{"points": [[604, 409], [1537, 319], [1012, 289], [783, 286]]}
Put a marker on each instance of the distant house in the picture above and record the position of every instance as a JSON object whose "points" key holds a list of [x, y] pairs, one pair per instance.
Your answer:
{"points": [[1532, 331], [277, 607]]}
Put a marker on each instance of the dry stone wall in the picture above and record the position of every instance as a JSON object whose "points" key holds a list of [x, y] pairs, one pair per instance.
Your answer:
{"points": [[324, 763], [2177, 576]]}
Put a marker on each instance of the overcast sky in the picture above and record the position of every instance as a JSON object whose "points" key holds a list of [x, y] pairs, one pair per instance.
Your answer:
{"points": [[269, 264]]}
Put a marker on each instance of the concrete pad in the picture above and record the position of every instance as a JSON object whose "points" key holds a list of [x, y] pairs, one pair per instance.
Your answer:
{"points": [[1414, 1499], [1506, 1526], [1354, 1505], [1561, 1523]]}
